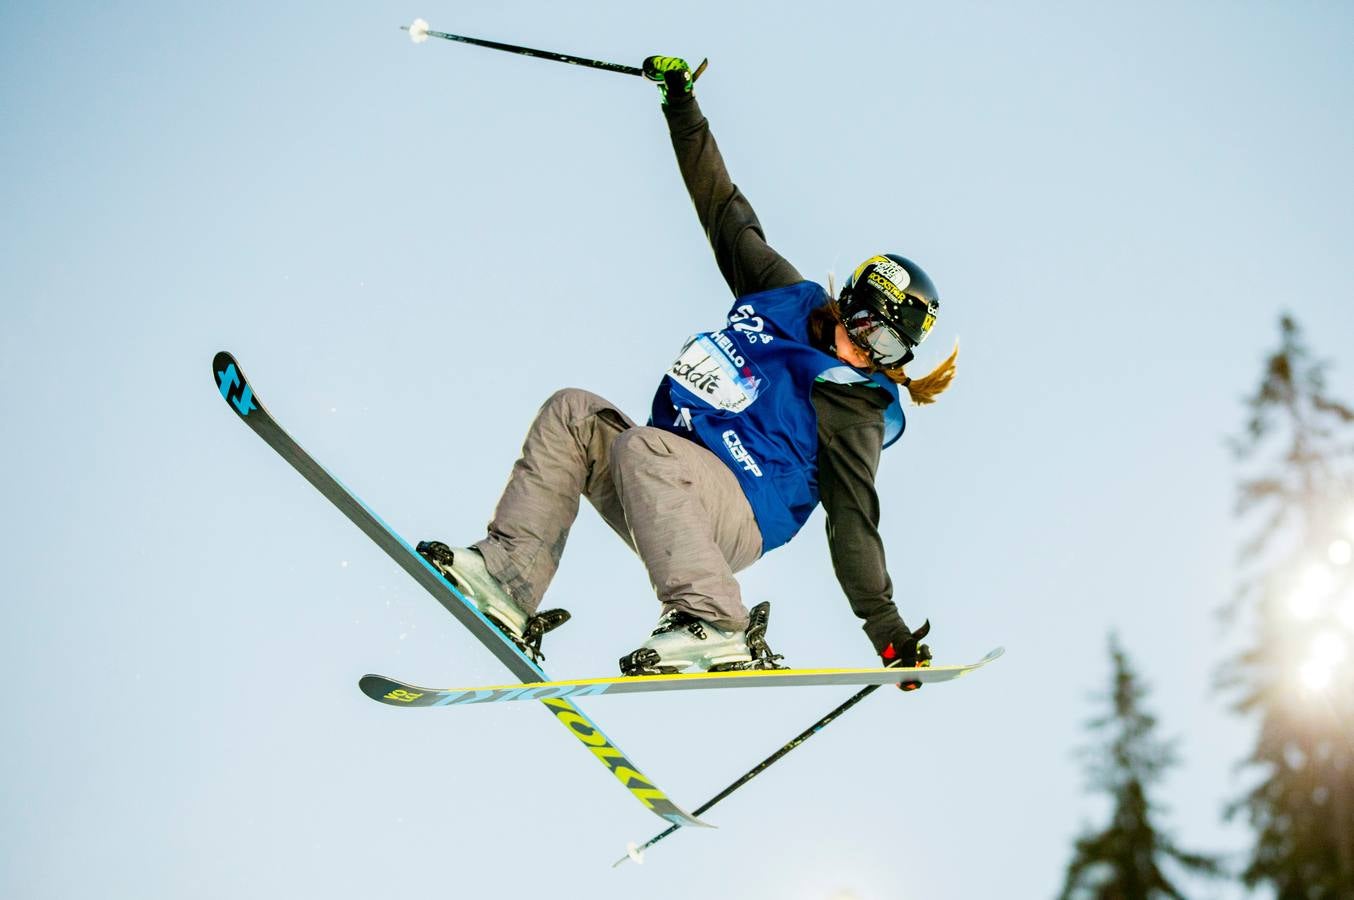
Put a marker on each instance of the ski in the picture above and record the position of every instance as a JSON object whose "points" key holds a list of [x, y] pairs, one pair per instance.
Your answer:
{"points": [[240, 397], [397, 693]]}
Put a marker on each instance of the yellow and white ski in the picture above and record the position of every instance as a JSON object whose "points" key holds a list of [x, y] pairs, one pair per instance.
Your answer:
{"points": [[398, 693]]}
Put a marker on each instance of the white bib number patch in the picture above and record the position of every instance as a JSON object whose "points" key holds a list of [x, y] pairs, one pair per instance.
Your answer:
{"points": [[705, 370]]}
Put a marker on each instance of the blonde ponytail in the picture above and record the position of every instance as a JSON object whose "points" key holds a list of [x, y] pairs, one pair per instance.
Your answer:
{"points": [[925, 389]]}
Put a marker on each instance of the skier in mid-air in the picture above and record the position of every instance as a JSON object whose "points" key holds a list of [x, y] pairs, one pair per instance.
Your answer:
{"points": [[788, 405]]}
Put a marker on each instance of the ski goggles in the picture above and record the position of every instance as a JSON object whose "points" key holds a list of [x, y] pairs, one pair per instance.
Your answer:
{"points": [[887, 348]]}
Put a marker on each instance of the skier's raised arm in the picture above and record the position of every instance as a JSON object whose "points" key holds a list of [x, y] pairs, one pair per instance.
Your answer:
{"points": [[748, 263], [849, 410]]}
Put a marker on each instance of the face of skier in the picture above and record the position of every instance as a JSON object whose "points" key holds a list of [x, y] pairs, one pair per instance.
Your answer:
{"points": [[847, 351]]}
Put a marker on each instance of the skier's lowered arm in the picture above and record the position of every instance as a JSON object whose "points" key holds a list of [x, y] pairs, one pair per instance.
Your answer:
{"points": [[748, 263], [847, 461]]}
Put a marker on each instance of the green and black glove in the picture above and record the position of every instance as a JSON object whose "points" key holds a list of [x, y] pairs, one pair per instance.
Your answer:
{"points": [[672, 74], [905, 650]]}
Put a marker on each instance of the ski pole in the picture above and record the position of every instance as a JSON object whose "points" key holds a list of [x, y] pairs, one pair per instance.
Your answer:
{"points": [[420, 32], [637, 852]]}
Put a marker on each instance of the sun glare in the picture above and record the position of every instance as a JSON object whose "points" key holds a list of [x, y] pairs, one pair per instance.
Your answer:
{"points": [[1340, 552], [1317, 578], [1315, 676], [1329, 649], [1345, 612], [1304, 604], [1313, 588], [1324, 662]]}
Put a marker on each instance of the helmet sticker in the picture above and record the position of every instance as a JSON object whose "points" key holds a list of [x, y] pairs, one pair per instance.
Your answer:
{"points": [[892, 271], [888, 286]]}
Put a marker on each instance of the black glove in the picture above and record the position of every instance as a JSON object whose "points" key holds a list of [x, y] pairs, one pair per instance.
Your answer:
{"points": [[905, 650], [672, 74]]}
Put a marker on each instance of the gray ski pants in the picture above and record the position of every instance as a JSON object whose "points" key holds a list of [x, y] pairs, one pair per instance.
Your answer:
{"points": [[674, 502]]}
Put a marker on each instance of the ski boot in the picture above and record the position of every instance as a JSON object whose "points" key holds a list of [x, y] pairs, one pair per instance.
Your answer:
{"points": [[683, 641], [464, 568]]}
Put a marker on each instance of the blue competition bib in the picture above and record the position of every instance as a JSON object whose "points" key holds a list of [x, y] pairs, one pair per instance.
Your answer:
{"points": [[744, 393]]}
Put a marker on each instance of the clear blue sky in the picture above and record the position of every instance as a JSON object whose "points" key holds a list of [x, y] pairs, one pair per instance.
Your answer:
{"points": [[409, 248]]}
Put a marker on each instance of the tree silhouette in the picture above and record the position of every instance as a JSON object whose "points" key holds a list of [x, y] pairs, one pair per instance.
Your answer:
{"points": [[1296, 595], [1124, 861]]}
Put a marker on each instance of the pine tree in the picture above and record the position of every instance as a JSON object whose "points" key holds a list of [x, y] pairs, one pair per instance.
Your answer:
{"points": [[1297, 594], [1124, 861]]}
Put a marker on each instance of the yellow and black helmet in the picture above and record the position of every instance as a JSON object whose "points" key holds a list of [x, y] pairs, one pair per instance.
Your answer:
{"points": [[888, 306]]}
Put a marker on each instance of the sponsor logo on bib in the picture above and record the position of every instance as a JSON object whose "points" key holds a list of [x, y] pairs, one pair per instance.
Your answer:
{"points": [[711, 368], [740, 453]]}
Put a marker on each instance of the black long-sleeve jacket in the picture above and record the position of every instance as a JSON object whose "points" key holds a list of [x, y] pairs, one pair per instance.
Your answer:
{"points": [[850, 416]]}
